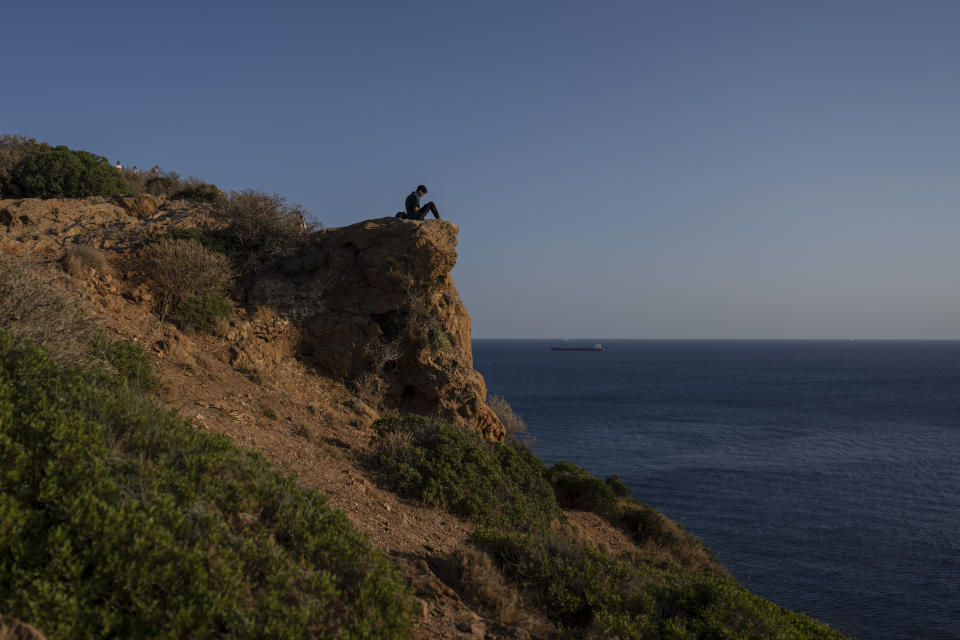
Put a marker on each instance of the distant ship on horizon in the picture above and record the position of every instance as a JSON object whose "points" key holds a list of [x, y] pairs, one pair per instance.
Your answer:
{"points": [[573, 347]]}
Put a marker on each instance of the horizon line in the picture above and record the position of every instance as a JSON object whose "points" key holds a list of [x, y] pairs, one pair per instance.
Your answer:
{"points": [[727, 339]]}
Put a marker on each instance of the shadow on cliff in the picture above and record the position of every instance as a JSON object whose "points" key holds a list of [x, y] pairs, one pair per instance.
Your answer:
{"points": [[374, 305]]}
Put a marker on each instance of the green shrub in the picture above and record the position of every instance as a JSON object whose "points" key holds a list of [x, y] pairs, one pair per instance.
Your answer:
{"points": [[210, 241], [118, 519], [643, 522], [619, 488], [198, 192], [59, 172], [189, 280], [439, 341], [594, 595], [181, 233], [133, 365], [575, 488], [202, 312], [256, 229], [453, 468]]}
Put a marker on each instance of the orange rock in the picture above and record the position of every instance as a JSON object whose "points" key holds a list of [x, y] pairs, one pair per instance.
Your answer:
{"points": [[377, 298]]}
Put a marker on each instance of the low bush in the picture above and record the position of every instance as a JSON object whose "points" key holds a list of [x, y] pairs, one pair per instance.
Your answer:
{"points": [[256, 228], [181, 269], [79, 259], [165, 185], [189, 281], [456, 469], [118, 519], [202, 312], [590, 594], [576, 488], [60, 172], [196, 191], [132, 365]]}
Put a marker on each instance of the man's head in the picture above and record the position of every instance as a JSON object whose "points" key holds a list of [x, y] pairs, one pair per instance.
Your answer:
{"points": [[421, 190]]}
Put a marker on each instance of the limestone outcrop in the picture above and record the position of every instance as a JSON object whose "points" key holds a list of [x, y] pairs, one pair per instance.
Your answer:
{"points": [[376, 307], [37, 225]]}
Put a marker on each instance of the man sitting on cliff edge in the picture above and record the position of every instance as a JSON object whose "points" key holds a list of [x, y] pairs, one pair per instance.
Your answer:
{"points": [[414, 210]]}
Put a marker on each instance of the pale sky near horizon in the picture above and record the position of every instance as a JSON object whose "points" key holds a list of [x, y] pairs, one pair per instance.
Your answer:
{"points": [[764, 169]]}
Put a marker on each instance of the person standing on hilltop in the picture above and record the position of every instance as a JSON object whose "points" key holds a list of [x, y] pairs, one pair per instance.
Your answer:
{"points": [[413, 209]]}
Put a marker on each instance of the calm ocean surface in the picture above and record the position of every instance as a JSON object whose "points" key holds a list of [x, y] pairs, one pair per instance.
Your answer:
{"points": [[824, 474]]}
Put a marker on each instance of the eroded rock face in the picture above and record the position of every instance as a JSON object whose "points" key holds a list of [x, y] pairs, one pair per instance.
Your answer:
{"points": [[375, 299]]}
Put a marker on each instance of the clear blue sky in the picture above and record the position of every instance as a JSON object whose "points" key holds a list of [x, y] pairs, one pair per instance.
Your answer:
{"points": [[618, 169]]}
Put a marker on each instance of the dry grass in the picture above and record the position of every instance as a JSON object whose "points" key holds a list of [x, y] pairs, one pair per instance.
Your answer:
{"points": [[267, 411], [30, 309], [684, 551], [301, 430], [396, 445], [512, 421], [79, 260], [480, 583], [370, 388], [181, 269], [474, 575]]}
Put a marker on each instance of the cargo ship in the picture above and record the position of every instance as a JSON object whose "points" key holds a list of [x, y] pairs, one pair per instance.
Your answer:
{"points": [[572, 347]]}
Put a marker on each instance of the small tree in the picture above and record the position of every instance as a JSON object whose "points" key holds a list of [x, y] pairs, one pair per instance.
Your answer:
{"points": [[13, 149], [60, 172]]}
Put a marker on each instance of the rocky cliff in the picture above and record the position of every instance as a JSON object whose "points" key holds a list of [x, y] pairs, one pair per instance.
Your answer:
{"points": [[371, 304], [376, 306]]}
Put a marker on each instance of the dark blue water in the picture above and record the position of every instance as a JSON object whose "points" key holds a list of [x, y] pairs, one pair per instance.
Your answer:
{"points": [[824, 474]]}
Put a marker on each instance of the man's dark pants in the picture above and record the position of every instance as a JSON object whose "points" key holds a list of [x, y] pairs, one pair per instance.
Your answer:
{"points": [[424, 210]]}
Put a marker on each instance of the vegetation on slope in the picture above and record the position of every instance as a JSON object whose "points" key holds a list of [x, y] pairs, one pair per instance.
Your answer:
{"points": [[118, 519], [463, 472], [671, 588]]}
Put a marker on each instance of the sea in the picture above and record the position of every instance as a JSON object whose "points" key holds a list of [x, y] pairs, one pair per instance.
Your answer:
{"points": [[825, 475]]}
